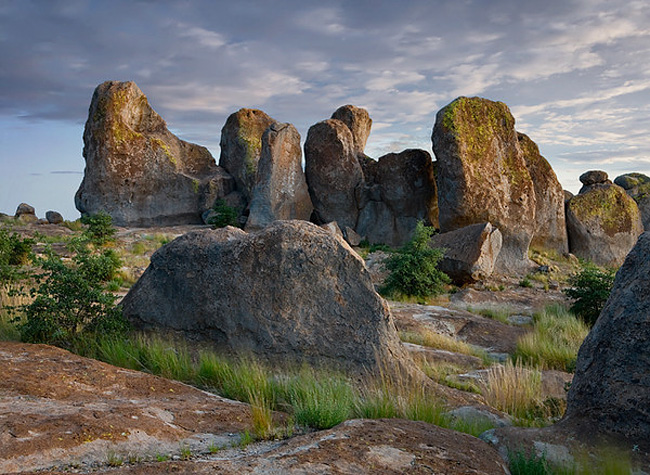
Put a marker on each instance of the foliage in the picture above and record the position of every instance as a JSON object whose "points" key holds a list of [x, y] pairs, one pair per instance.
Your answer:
{"points": [[413, 267], [527, 464], [224, 215], [590, 289], [70, 300], [100, 228], [14, 252]]}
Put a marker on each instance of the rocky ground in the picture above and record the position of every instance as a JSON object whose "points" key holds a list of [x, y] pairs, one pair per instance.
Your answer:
{"points": [[59, 411]]}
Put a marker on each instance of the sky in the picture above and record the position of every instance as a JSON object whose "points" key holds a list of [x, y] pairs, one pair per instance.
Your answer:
{"points": [[575, 74]]}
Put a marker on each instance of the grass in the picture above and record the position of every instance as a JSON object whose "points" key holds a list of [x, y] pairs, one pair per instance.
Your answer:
{"points": [[442, 373], [500, 314], [9, 298], [554, 341], [604, 461], [442, 342]]}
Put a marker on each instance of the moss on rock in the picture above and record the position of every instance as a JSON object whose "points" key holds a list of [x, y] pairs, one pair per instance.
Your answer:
{"points": [[608, 208]]}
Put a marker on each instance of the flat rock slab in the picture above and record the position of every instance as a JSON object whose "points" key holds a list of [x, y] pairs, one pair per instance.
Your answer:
{"points": [[490, 334], [386, 446], [59, 409]]}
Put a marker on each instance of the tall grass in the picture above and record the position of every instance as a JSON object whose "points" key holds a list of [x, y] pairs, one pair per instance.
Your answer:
{"points": [[442, 342], [555, 340], [10, 297]]}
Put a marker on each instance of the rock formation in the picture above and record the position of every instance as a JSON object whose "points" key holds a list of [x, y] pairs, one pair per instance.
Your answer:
{"points": [[359, 122], [137, 171], [281, 190], [54, 217], [611, 387], [550, 222], [637, 186], [593, 178], [470, 252], [26, 213], [333, 173], [291, 292], [399, 191], [482, 176], [603, 223], [241, 147]]}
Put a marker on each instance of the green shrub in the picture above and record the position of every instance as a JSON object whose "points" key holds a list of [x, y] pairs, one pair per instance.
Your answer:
{"points": [[413, 268], [224, 215], [100, 228], [590, 289], [70, 300], [14, 252]]}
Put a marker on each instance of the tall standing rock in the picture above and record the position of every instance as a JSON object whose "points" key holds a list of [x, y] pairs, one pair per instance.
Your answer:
{"points": [[241, 147], [281, 190], [137, 171], [611, 386], [550, 222], [482, 176], [603, 224], [400, 191], [637, 186], [333, 173], [359, 122]]}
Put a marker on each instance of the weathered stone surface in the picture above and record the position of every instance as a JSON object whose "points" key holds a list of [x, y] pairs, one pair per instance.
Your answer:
{"points": [[400, 191], [54, 217], [567, 196], [281, 190], [611, 387], [637, 186], [470, 252], [359, 122], [25, 209], [603, 224], [593, 177], [333, 173], [550, 222], [291, 292], [482, 176], [137, 171], [59, 409], [241, 147]]}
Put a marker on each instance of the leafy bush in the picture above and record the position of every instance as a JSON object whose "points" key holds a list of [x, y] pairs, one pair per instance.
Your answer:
{"points": [[590, 289], [70, 301], [224, 215], [14, 251], [100, 228], [413, 267]]}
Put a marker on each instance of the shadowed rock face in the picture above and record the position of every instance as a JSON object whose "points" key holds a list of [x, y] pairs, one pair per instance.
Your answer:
{"points": [[241, 147], [137, 171], [637, 186], [289, 293], [359, 122], [603, 224], [611, 387], [550, 222], [281, 190], [482, 176]]}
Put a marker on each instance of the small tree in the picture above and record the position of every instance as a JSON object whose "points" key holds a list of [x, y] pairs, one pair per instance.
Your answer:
{"points": [[100, 228], [15, 251], [590, 289], [224, 215], [413, 268]]}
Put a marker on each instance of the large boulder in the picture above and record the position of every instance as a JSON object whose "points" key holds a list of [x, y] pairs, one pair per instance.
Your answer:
{"points": [[637, 186], [593, 178], [137, 171], [611, 387], [482, 176], [550, 223], [241, 147], [281, 190], [54, 217], [289, 293], [470, 252], [24, 209], [359, 122], [603, 224], [400, 191], [333, 173]]}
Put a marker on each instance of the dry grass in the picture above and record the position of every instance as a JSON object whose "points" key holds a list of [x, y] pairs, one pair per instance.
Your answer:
{"points": [[440, 342], [10, 296]]}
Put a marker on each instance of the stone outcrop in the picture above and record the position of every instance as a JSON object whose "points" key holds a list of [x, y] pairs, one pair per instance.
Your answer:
{"points": [[611, 387], [54, 217], [637, 186], [24, 209], [592, 178], [550, 223], [359, 122], [281, 190], [603, 223], [291, 292], [333, 173], [470, 252], [482, 176], [241, 147], [137, 171], [400, 190]]}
